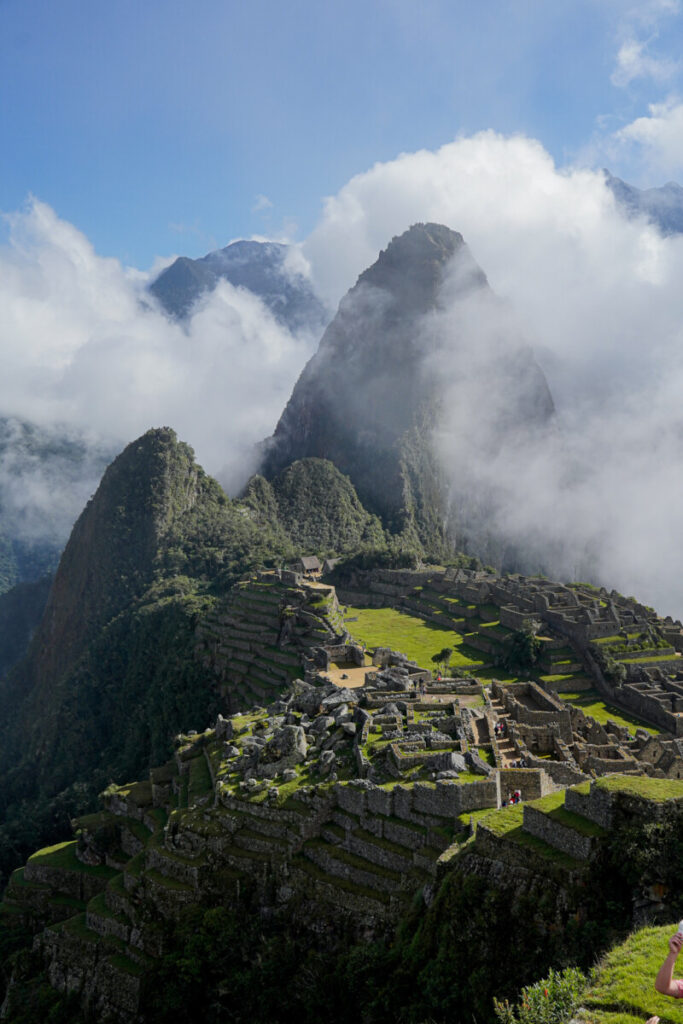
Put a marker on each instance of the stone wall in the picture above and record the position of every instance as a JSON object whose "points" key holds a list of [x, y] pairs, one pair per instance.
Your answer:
{"points": [[643, 705], [531, 782], [596, 805], [567, 840]]}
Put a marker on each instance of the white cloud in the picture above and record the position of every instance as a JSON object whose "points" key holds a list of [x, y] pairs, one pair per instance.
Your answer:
{"points": [[639, 35], [83, 346], [261, 202], [634, 61], [599, 298], [656, 141], [597, 295]]}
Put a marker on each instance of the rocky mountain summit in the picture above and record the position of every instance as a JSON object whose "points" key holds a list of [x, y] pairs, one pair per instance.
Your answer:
{"points": [[391, 366], [260, 267]]}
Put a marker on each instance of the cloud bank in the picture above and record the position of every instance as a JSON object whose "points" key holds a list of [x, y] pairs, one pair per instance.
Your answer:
{"points": [[598, 297], [595, 294]]}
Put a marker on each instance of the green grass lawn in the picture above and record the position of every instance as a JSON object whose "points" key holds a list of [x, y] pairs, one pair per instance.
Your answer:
{"points": [[641, 785], [623, 991], [592, 704], [386, 627], [562, 682]]}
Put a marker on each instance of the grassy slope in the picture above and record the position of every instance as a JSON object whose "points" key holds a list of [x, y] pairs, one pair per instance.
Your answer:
{"points": [[623, 991]]}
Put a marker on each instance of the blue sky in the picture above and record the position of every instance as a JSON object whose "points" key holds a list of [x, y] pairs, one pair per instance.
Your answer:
{"points": [[164, 127]]}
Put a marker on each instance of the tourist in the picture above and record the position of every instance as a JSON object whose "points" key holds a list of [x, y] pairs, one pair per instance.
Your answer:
{"points": [[665, 982]]}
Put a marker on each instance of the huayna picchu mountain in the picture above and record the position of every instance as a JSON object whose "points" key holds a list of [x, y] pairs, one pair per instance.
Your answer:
{"points": [[372, 397]]}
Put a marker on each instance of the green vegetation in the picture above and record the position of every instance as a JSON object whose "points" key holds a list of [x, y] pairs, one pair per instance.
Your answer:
{"points": [[523, 647], [642, 786], [591, 703], [319, 509], [611, 668], [21, 609], [553, 806], [550, 1001], [622, 991], [63, 855], [387, 627]]}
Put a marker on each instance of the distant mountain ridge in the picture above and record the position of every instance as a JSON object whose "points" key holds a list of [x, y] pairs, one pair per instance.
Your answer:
{"points": [[663, 205], [260, 267]]}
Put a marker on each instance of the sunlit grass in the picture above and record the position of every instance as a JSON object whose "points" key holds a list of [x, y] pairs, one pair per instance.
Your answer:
{"points": [[623, 991], [592, 704], [420, 640]]}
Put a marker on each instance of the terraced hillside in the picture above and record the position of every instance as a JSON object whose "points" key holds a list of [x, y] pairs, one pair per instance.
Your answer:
{"points": [[259, 639], [266, 799], [203, 830]]}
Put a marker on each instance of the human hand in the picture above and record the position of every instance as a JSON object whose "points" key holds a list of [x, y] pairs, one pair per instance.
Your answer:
{"points": [[675, 943]]}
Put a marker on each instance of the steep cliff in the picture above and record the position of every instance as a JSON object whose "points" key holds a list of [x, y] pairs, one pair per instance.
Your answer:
{"points": [[382, 383]]}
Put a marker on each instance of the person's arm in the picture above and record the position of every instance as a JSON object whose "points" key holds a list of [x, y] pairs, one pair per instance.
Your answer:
{"points": [[664, 982]]}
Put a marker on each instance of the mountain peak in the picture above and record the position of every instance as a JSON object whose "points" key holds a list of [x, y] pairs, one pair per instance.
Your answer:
{"points": [[371, 397], [413, 265], [260, 267]]}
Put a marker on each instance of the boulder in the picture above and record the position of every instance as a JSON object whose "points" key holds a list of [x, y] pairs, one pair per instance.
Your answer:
{"points": [[339, 697], [323, 723], [224, 728], [288, 745]]}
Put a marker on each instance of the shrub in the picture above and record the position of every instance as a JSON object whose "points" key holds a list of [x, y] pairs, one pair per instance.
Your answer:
{"points": [[550, 1001]]}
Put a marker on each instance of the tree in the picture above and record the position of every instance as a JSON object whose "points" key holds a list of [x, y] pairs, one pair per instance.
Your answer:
{"points": [[523, 647], [442, 658]]}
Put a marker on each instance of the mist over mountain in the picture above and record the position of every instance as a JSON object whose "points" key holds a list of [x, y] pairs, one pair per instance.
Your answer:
{"points": [[663, 206], [90, 363], [46, 475], [267, 269], [394, 359]]}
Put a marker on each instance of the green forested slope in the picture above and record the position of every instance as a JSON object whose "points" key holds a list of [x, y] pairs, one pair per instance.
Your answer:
{"points": [[110, 674]]}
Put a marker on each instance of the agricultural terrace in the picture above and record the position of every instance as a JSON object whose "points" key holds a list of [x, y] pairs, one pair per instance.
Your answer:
{"points": [[591, 703], [419, 640]]}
